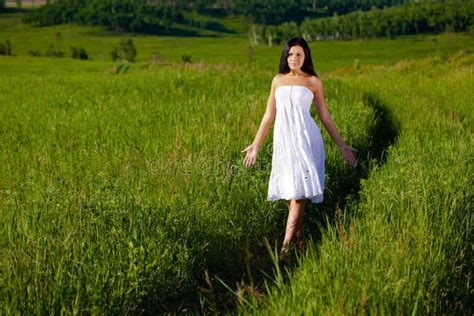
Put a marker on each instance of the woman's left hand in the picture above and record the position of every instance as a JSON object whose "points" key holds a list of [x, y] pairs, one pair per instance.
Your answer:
{"points": [[347, 153], [251, 155]]}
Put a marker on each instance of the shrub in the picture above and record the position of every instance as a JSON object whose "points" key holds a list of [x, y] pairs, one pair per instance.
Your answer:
{"points": [[53, 52], [6, 48], [186, 58], [124, 51], [34, 53], [79, 53], [83, 54]]}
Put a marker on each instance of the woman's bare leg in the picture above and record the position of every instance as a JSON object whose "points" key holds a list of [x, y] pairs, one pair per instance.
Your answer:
{"points": [[299, 234], [295, 220], [299, 227]]}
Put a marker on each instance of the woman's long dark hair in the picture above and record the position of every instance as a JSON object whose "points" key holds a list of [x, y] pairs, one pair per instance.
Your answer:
{"points": [[308, 62]]}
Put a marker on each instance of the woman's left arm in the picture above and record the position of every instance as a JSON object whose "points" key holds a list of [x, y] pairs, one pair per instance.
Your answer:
{"points": [[326, 120]]}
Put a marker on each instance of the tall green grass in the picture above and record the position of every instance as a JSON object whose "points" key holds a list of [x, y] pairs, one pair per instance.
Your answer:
{"points": [[406, 247], [117, 193]]}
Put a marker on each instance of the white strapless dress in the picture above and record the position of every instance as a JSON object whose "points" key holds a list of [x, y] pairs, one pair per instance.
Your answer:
{"points": [[298, 148]]}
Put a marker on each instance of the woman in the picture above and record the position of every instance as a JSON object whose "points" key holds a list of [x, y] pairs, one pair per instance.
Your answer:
{"points": [[298, 150]]}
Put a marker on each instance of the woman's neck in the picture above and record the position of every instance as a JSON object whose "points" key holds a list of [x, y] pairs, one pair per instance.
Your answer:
{"points": [[295, 72]]}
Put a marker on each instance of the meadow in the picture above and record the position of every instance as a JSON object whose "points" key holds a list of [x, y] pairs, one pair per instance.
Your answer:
{"points": [[126, 193]]}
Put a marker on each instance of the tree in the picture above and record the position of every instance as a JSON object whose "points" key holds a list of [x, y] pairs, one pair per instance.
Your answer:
{"points": [[255, 33], [288, 30], [271, 34]]}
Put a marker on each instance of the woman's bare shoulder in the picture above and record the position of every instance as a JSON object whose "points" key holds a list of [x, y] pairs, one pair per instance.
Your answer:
{"points": [[277, 79], [315, 80], [315, 83]]}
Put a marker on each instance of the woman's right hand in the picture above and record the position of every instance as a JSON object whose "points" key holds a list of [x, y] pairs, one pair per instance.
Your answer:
{"points": [[348, 154], [249, 159]]}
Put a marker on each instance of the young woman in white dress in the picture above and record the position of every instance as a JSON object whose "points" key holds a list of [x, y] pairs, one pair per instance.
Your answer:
{"points": [[298, 151]]}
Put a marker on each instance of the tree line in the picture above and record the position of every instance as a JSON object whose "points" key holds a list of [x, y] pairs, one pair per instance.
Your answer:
{"points": [[140, 15], [119, 15], [407, 19], [277, 11], [272, 12], [271, 20]]}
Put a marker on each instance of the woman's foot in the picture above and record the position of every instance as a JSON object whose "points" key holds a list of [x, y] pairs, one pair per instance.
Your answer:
{"points": [[283, 253], [300, 241]]}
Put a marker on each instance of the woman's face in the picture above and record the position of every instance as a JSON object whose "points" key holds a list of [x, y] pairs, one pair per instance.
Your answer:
{"points": [[295, 57]]}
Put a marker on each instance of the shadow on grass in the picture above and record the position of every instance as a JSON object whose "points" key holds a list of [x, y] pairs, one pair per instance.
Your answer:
{"points": [[344, 187], [158, 31], [218, 27], [180, 30]]}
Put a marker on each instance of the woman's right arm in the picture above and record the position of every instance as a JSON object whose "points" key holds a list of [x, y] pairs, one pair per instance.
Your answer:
{"points": [[262, 132], [325, 117]]}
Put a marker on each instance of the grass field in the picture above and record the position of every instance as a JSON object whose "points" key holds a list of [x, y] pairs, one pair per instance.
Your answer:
{"points": [[120, 193]]}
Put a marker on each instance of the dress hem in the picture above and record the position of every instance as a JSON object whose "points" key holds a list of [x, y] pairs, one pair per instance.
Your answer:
{"points": [[314, 198]]}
